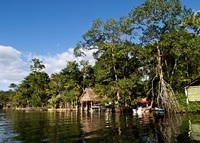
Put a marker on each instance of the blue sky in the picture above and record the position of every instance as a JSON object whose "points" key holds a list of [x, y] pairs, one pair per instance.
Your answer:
{"points": [[52, 26], [49, 30]]}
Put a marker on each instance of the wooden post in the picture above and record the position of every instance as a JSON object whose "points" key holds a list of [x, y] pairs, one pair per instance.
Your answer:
{"points": [[186, 94], [91, 104], [86, 108], [81, 106]]}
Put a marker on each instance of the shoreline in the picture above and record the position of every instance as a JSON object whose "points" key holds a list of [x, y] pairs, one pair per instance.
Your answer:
{"points": [[41, 109], [78, 109]]}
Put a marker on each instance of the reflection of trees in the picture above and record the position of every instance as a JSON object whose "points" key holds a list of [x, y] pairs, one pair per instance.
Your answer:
{"points": [[170, 127], [194, 127], [100, 127], [90, 124], [45, 126]]}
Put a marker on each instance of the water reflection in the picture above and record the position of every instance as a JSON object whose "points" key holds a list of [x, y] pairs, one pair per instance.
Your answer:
{"points": [[194, 127], [90, 124], [6, 130], [52, 127], [170, 128]]}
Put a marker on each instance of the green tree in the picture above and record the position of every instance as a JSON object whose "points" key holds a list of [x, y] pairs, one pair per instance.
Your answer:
{"points": [[5, 98], [36, 66], [23, 93], [39, 82], [32, 91], [156, 19], [115, 59], [13, 86], [55, 85], [88, 74], [71, 81]]}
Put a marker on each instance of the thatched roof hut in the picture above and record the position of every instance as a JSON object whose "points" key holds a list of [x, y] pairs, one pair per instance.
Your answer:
{"points": [[88, 98], [89, 95]]}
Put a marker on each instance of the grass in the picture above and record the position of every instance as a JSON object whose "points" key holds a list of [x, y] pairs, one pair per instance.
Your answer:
{"points": [[184, 107]]}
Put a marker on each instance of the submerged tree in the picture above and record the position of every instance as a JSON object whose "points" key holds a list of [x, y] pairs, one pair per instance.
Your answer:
{"points": [[156, 19]]}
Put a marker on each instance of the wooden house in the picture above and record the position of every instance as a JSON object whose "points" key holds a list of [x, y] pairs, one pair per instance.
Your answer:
{"points": [[192, 91], [88, 99]]}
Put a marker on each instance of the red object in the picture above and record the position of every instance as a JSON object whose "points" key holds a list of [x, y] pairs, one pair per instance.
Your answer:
{"points": [[144, 101]]}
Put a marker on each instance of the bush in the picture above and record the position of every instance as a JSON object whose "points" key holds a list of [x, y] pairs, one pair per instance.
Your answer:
{"points": [[191, 107], [181, 99]]}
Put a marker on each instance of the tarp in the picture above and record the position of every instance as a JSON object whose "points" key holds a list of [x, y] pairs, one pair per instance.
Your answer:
{"points": [[144, 101]]}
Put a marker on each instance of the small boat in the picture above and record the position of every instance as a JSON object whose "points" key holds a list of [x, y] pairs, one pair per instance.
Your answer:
{"points": [[95, 107], [159, 111]]}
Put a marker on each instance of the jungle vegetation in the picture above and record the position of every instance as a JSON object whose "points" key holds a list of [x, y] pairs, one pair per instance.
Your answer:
{"points": [[155, 49]]}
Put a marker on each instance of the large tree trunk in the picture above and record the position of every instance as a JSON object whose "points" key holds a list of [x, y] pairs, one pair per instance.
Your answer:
{"points": [[166, 97]]}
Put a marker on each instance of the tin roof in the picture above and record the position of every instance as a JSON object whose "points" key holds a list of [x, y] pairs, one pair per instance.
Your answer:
{"points": [[195, 82]]}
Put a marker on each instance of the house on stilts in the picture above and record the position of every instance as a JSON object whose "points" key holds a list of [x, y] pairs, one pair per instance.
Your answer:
{"points": [[192, 91], [89, 100]]}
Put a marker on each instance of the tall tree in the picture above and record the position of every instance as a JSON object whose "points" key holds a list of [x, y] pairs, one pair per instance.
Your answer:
{"points": [[113, 54], [37, 65], [155, 19], [88, 74], [71, 81], [39, 82], [32, 91]]}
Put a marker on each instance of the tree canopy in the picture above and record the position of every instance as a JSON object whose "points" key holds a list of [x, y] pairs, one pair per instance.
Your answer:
{"points": [[153, 50]]}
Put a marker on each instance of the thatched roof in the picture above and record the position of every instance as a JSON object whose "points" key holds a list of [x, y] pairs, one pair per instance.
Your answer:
{"points": [[89, 95]]}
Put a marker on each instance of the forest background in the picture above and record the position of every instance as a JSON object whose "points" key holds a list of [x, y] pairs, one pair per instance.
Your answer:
{"points": [[153, 51]]}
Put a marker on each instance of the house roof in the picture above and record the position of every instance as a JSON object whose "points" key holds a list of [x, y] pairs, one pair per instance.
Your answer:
{"points": [[195, 82], [88, 95]]}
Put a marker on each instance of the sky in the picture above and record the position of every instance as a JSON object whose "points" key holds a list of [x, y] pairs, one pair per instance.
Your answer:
{"points": [[49, 30]]}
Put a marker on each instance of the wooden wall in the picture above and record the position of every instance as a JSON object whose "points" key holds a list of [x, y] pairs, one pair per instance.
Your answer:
{"points": [[194, 93]]}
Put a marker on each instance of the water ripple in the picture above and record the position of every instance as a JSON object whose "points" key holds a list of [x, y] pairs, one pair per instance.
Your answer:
{"points": [[6, 131]]}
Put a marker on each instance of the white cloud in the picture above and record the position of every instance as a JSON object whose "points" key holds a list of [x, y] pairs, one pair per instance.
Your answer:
{"points": [[54, 64], [13, 68]]}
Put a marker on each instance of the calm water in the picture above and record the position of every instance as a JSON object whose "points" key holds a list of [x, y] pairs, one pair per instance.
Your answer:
{"points": [[72, 127]]}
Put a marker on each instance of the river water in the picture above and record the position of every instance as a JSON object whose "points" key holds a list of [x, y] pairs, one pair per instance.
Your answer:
{"points": [[96, 127]]}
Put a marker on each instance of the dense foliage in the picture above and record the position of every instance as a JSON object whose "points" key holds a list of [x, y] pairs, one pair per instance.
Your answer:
{"points": [[154, 50]]}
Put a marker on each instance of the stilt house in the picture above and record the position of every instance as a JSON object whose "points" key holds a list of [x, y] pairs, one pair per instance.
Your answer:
{"points": [[192, 91], [88, 99]]}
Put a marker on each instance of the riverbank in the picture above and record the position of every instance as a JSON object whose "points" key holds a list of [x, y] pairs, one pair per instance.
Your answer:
{"points": [[41, 109], [191, 108]]}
